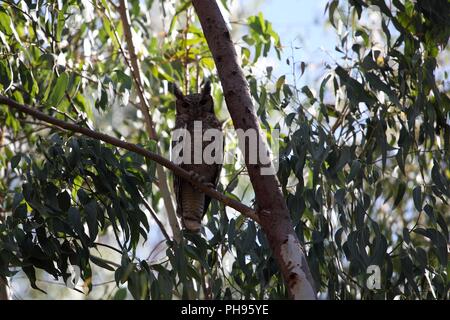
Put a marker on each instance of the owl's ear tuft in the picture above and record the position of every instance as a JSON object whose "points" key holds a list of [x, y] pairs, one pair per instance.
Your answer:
{"points": [[177, 92], [206, 88]]}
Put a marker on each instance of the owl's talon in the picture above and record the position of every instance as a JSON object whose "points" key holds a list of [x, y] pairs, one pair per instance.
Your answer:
{"points": [[209, 185], [195, 176]]}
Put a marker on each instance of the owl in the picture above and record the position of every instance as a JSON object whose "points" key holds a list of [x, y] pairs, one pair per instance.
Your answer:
{"points": [[194, 113]]}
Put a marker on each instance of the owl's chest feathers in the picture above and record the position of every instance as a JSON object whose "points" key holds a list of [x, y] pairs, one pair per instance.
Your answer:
{"points": [[207, 122], [196, 129], [197, 139]]}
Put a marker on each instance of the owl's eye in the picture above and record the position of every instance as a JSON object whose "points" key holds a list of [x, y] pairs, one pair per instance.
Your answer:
{"points": [[185, 105]]}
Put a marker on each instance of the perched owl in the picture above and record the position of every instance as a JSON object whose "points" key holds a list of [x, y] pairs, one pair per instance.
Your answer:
{"points": [[194, 113]]}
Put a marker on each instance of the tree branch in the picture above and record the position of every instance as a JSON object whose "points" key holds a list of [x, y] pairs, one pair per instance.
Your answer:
{"points": [[134, 148], [106, 261], [108, 246], [145, 108], [273, 212], [155, 217]]}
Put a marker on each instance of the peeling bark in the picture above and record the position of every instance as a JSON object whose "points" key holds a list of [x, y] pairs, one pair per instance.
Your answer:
{"points": [[294, 258], [273, 215]]}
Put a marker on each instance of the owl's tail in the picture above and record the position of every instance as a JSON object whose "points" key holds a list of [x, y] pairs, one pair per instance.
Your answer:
{"points": [[193, 203]]}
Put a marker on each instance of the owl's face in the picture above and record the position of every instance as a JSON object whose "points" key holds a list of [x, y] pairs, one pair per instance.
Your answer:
{"points": [[194, 106]]}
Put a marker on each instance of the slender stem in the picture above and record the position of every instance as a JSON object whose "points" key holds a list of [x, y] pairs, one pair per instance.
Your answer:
{"points": [[155, 217], [409, 232], [186, 56], [106, 261], [133, 63], [108, 246], [12, 141]]}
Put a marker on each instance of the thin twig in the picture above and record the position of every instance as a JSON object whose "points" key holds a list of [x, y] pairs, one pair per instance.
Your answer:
{"points": [[106, 261], [186, 57], [12, 141], [152, 254], [135, 70], [155, 217], [108, 246], [409, 232]]}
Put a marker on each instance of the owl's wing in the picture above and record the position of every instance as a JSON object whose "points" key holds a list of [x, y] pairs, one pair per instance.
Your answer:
{"points": [[177, 182], [177, 188], [215, 181]]}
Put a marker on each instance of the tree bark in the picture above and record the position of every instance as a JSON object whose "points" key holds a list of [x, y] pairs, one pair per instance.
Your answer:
{"points": [[273, 212]]}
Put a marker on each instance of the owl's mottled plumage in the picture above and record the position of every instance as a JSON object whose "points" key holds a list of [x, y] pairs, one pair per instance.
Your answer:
{"points": [[191, 203]]}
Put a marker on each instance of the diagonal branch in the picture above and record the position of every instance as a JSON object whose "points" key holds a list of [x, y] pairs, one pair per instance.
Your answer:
{"points": [[238, 206], [133, 63], [155, 217]]}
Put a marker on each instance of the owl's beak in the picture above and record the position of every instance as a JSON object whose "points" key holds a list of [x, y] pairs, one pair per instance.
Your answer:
{"points": [[197, 112]]}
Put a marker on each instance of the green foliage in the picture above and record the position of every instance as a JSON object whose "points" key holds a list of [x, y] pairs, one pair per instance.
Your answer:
{"points": [[364, 153], [363, 167]]}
